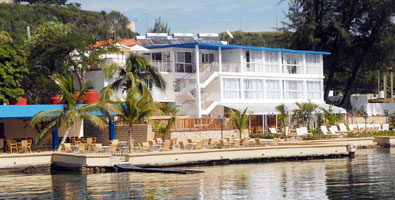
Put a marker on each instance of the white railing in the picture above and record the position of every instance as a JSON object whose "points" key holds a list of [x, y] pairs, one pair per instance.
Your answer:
{"points": [[207, 69], [253, 67], [161, 65], [182, 83], [231, 67]]}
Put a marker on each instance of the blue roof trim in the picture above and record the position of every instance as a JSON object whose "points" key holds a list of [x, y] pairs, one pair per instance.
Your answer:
{"points": [[210, 46], [28, 111]]}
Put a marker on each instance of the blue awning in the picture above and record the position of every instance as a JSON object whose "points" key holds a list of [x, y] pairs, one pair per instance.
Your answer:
{"points": [[28, 111], [210, 46]]}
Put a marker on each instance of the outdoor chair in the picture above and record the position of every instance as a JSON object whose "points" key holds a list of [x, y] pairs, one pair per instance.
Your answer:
{"points": [[199, 145], [66, 147], [113, 149], [145, 146], [302, 131], [324, 130], [343, 128], [75, 141], [189, 140], [89, 140], [258, 142], [182, 146], [1, 144], [355, 131], [237, 143], [114, 141], [81, 147], [25, 146], [333, 130], [205, 143], [273, 130], [12, 146], [166, 145], [98, 148], [245, 142], [209, 141], [223, 144], [386, 127]]}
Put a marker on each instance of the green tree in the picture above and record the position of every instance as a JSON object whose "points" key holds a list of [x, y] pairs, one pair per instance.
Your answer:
{"points": [[55, 2], [71, 111], [359, 35], [136, 107], [164, 129], [240, 120], [13, 67], [139, 68], [160, 27], [304, 110], [283, 116], [330, 117]]}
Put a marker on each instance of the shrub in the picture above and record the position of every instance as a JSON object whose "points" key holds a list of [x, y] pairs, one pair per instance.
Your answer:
{"points": [[263, 136]]}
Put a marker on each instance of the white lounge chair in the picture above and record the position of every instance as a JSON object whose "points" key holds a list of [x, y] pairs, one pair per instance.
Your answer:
{"points": [[351, 127], [343, 128], [386, 127], [301, 131], [324, 130], [334, 131], [273, 130]]}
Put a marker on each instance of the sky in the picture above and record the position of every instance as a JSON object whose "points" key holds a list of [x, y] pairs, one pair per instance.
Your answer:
{"points": [[197, 16]]}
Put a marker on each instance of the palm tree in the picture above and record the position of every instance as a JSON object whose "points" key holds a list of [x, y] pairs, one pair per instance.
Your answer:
{"points": [[303, 109], [240, 120], [137, 106], [282, 116], [330, 117], [137, 66], [71, 111], [164, 129]]}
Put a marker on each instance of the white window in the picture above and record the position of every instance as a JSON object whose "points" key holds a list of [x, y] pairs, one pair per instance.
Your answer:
{"points": [[253, 61], [293, 90], [314, 89], [184, 62], [231, 88], [271, 60], [253, 89], [313, 64], [207, 57], [273, 89], [293, 63]]}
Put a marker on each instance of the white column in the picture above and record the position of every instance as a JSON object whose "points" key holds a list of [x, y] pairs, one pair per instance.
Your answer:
{"points": [[220, 58], [197, 95], [241, 60], [173, 60], [304, 63], [263, 123], [279, 62]]}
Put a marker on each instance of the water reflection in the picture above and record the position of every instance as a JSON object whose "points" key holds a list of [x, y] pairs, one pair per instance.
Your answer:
{"points": [[370, 174]]}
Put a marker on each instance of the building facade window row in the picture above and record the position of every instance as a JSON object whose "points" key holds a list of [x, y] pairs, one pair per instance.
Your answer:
{"points": [[237, 88]]}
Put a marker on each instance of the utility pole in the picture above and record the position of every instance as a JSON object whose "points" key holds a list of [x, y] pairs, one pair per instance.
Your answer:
{"points": [[385, 86], [392, 86]]}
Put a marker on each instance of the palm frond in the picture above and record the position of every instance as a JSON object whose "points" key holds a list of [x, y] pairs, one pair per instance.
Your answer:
{"points": [[44, 132], [45, 116]]}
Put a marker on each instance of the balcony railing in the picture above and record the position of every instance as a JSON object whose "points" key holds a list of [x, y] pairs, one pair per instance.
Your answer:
{"points": [[293, 69], [230, 67], [207, 69], [161, 65]]}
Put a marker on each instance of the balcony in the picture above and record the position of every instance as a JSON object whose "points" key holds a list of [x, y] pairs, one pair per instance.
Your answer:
{"points": [[161, 65], [231, 67]]}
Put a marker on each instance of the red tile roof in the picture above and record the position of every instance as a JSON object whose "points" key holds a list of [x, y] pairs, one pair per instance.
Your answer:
{"points": [[126, 42]]}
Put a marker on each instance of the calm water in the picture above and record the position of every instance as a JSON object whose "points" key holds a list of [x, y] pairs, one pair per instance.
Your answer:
{"points": [[371, 174]]}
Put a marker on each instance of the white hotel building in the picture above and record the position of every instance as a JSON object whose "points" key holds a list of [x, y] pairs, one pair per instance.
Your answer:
{"points": [[206, 77]]}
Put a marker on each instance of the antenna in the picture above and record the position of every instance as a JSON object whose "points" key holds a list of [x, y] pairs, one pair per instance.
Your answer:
{"points": [[229, 34]]}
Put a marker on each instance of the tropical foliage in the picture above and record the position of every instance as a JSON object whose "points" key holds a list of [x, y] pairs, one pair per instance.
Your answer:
{"points": [[136, 107], [240, 120], [304, 113], [330, 117], [71, 111], [283, 116], [359, 35], [160, 27], [138, 68], [13, 67], [162, 128]]}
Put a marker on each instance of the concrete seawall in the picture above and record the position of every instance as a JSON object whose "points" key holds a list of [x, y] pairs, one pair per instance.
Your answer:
{"points": [[302, 150]]}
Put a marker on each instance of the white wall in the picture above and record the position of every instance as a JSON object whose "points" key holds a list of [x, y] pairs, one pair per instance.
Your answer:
{"points": [[232, 55]]}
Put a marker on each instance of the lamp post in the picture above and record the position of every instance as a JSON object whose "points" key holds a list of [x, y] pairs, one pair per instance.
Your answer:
{"points": [[221, 119], [386, 115], [365, 116], [307, 117]]}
